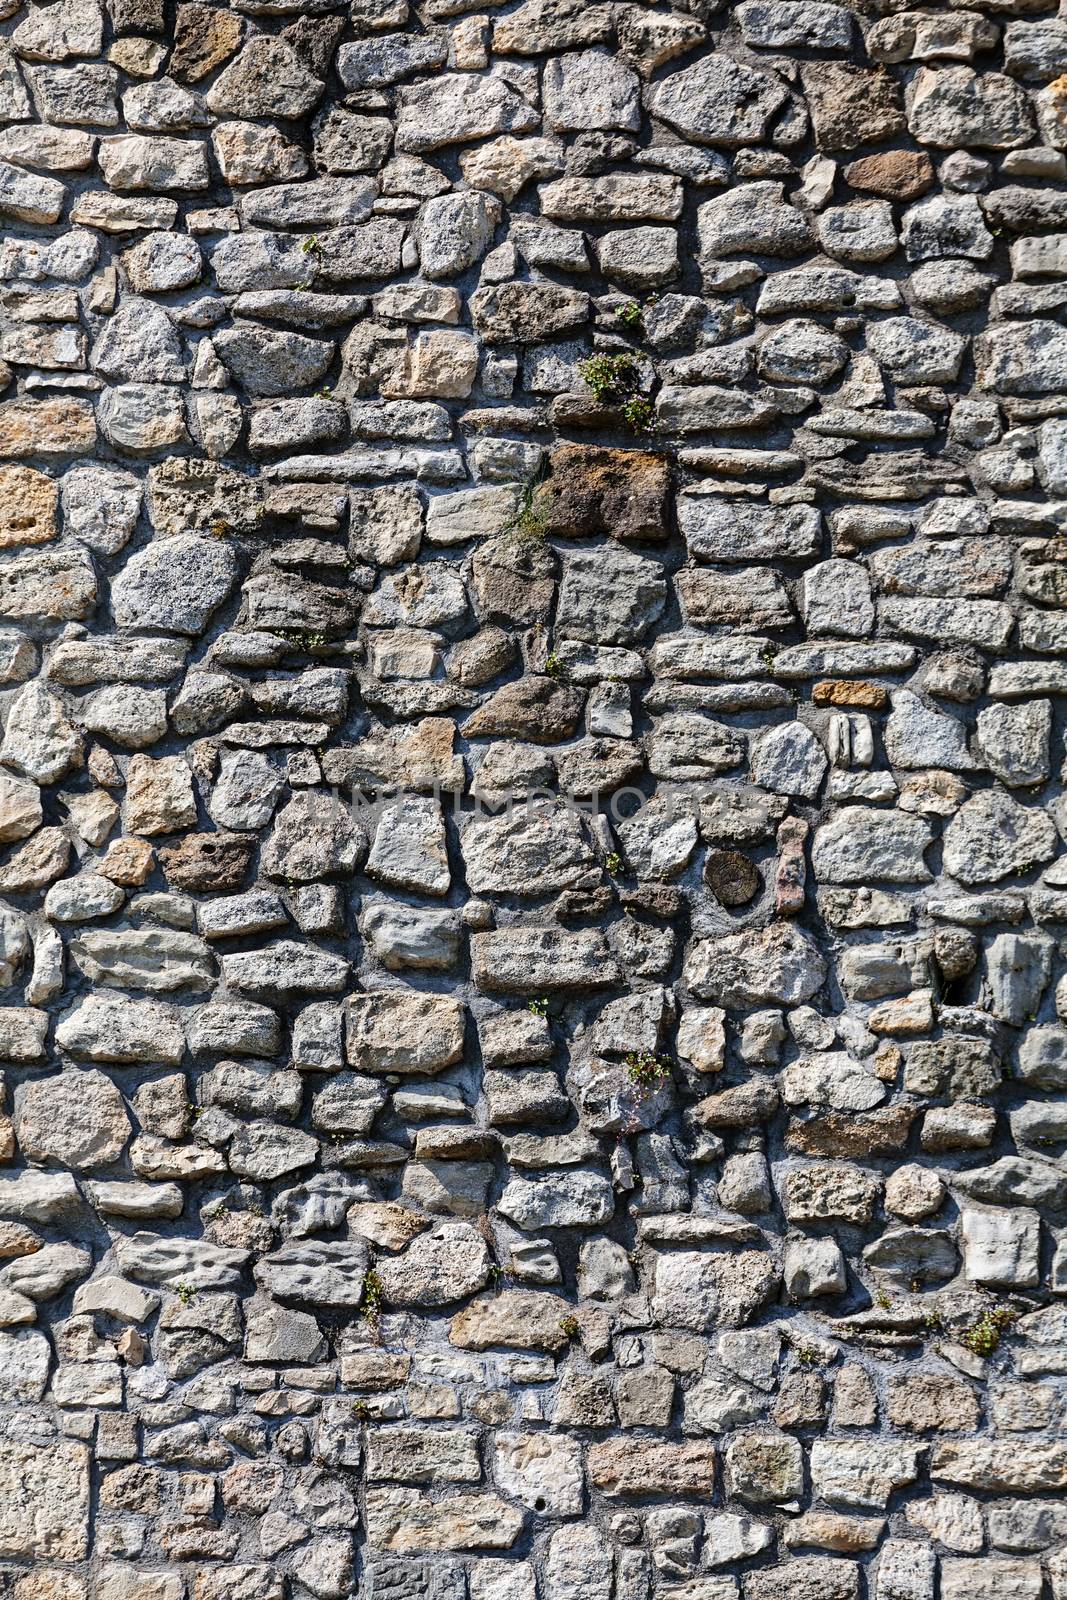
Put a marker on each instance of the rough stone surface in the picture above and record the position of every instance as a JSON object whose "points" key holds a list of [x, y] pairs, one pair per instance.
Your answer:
{"points": [[533, 884]]}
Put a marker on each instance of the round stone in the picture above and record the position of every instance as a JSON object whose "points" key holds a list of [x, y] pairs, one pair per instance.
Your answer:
{"points": [[913, 1192], [731, 877]]}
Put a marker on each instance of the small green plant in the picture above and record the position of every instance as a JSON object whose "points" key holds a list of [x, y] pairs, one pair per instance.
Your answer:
{"points": [[612, 379], [312, 248], [185, 1292], [569, 1326], [361, 1411], [539, 1008], [613, 863], [647, 1073], [882, 1299], [933, 1321], [370, 1305], [530, 520], [983, 1337], [632, 317], [556, 667], [615, 380], [639, 415], [809, 1356], [309, 642]]}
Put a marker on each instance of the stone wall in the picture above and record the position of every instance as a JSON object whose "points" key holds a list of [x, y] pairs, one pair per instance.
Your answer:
{"points": [[533, 653]]}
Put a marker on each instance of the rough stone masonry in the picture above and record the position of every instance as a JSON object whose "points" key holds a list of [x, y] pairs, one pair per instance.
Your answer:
{"points": [[533, 644]]}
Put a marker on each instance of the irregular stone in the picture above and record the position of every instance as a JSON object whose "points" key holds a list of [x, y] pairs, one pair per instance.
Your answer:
{"points": [[444, 1265], [955, 106], [521, 1319], [781, 965], [623, 1467], [718, 101], [404, 1519], [174, 584], [992, 835], [401, 1031], [39, 740], [46, 1514], [110, 1029], [851, 105], [77, 1119], [861, 845], [458, 107], [862, 1473]]}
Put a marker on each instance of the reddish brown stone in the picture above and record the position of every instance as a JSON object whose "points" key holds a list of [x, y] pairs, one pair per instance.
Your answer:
{"points": [[208, 862], [880, 1132], [896, 174], [840, 692], [624, 493], [128, 862], [47, 428], [531, 708]]}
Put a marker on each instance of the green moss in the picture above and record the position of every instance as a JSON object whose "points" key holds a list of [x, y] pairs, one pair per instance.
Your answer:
{"points": [[983, 1337]]}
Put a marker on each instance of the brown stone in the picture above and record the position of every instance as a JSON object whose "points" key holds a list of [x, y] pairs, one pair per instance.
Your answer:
{"points": [[851, 105], [531, 708], [638, 1466], [801, 1400], [845, 692], [731, 877], [40, 862], [881, 1132], [896, 174], [128, 862], [27, 506], [518, 1319], [622, 493], [204, 37], [209, 863], [16, 1239], [47, 428], [933, 1402], [830, 1530]]}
